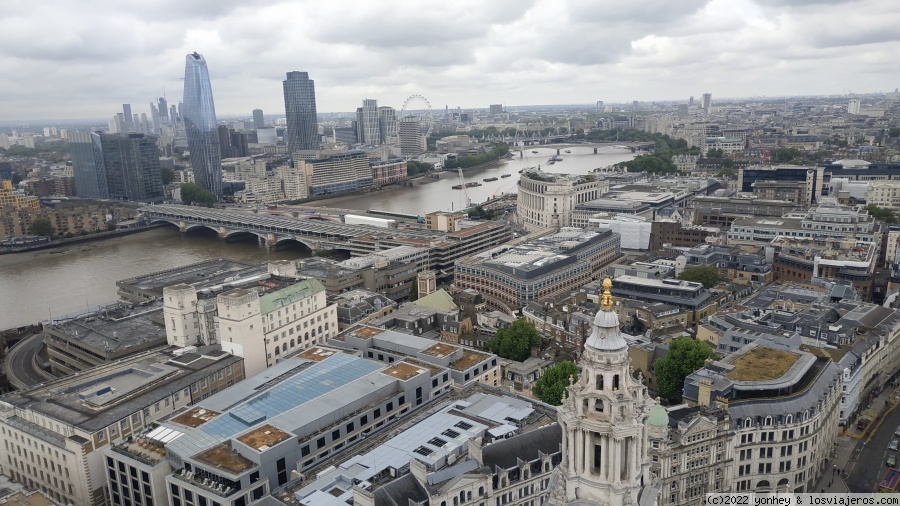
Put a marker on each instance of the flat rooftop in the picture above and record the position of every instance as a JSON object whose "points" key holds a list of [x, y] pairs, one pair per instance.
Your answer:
{"points": [[468, 359], [440, 350], [761, 364], [316, 353], [203, 274], [222, 457], [195, 417], [263, 437], [116, 328], [404, 371]]}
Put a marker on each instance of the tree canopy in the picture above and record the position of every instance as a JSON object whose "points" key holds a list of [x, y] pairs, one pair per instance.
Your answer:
{"points": [[500, 149], [413, 167], [168, 175], [42, 226], [685, 356], [515, 342], [706, 275], [192, 193], [551, 386], [882, 213]]}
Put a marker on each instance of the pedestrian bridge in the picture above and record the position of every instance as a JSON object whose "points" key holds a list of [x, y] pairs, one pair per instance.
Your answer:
{"points": [[274, 230]]}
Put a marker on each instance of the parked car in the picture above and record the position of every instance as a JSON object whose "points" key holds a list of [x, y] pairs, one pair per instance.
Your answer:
{"points": [[897, 431], [893, 445], [892, 459]]}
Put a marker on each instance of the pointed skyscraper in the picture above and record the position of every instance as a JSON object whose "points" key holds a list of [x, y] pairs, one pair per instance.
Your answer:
{"points": [[199, 115], [300, 110]]}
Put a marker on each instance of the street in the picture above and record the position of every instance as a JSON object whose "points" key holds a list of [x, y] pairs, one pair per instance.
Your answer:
{"points": [[867, 464]]}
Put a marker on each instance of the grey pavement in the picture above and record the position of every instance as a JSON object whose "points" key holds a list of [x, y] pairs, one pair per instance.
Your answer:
{"points": [[861, 461]]}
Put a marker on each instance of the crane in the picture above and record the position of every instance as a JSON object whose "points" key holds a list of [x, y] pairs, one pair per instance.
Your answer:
{"points": [[462, 182], [765, 153]]}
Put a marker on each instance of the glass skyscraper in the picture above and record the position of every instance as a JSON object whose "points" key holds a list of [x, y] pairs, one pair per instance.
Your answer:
{"points": [[90, 174], [300, 109], [199, 115]]}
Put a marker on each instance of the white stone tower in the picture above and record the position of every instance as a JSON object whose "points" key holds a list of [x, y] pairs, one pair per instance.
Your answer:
{"points": [[604, 423]]}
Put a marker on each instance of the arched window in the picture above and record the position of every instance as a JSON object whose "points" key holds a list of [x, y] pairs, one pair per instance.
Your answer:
{"points": [[615, 382], [598, 406], [455, 501], [462, 496], [277, 350], [292, 343], [788, 419], [306, 337], [284, 347], [768, 421], [469, 495], [763, 484], [599, 382], [748, 423], [480, 490], [546, 467]]}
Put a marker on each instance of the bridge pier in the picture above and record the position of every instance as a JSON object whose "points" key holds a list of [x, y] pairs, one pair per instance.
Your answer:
{"points": [[223, 234], [595, 151], [182, 226]]}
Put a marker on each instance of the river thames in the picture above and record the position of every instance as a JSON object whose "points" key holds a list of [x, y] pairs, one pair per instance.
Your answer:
{"points": [[71, 279]]}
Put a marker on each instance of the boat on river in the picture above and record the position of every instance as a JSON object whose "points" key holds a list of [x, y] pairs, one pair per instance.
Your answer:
{"points": [[508, 175], [489, 179]]}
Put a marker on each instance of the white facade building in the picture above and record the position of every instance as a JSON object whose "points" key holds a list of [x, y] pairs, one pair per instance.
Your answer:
{"points": [[548, 200]]}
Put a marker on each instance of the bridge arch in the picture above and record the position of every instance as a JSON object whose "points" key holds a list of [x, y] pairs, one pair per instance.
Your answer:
{"points": [[165, 222], [292, 242], [238, 235], [200, 227]]}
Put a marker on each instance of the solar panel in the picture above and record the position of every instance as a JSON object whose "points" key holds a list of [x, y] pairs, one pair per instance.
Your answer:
{"points": [[422, 450], [463, 425], [436, 441], [450, 433]]}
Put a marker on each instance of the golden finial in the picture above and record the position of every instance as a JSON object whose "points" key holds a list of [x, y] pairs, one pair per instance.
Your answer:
{"points": [[606, 301]]}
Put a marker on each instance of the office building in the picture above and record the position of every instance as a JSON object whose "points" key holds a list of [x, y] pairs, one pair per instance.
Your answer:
{"points": [[804, 259], [164, 110], [58, 434], [496, 109], [90, 175], [300, 109], [707, 102], [259, 120], [814, 179], [692, 297], [510, 277], [412, 142], [785, 426], [130, 163], [129, 122], [853, 106], [547, 200], [388, 171], [200, 125], [335, 173]]}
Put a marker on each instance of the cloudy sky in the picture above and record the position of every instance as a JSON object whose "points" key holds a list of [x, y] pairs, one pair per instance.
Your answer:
{"points": [[70, 59]]}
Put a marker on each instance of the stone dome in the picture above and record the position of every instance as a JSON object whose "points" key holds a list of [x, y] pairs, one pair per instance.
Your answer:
{"points": [[659, 417]]}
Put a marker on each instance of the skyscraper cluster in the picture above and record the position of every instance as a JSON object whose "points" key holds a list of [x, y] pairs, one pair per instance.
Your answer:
{"points": [[199, 116], [376, 125]]}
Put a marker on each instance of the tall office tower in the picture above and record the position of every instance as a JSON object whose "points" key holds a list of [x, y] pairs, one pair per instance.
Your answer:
{"points": [[199, 116], [129, 120], [387, 125], [259, 120], [358, 125], [853, 106], [154, 115], [495, 109], [707, 101], [175, 113], [121, 125], [412, 142], [600, 105], [300, 110], [371, 136], [634, 105], [145, 125], [683, 111], [112, 126], [691, 101], [223, 133], [135, 123], [87, 166], [163, 109], [131, 166]]}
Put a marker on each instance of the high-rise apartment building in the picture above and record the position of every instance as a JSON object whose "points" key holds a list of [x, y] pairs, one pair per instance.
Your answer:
{"points": [[90, 174], [853, 106], [131, 165], [129, 121], [200, 125], [154, 116], [387, 125], [707, 101], [258, 119], [369, 123], [300, 110], [412, 142]]}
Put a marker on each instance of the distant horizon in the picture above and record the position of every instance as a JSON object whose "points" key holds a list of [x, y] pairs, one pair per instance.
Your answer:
{"points": [[5, 123]]}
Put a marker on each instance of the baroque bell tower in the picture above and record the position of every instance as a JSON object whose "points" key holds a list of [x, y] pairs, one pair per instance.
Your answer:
{"points": [[604, 423]]}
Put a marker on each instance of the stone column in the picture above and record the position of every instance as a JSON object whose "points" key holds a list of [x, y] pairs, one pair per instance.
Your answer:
{"points": [[571, 451]]}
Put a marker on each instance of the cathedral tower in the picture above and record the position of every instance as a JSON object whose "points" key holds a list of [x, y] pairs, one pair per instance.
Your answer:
{"points": [[604, 423]]}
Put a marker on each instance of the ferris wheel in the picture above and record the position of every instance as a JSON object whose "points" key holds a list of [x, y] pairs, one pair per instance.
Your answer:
{"points": [[422, 109]]}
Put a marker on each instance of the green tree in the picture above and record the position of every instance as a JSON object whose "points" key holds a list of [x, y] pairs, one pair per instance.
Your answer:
{"points": [[515, 342], [42, 226], [715, 153], [706, 275], [551, 386], [192, 193], [882, 213], [685, 356], [894, 132], [168, 175]]}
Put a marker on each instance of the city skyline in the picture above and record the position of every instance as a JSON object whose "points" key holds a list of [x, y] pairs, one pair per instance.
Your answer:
{"points": [[538, 52]]}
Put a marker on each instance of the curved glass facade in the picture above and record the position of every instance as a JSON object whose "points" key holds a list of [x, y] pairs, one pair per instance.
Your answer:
{"points": [[199, 115], [300, 110]]}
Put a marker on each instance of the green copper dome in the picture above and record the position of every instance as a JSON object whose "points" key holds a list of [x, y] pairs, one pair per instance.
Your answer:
{"points": [[658, 415]]}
